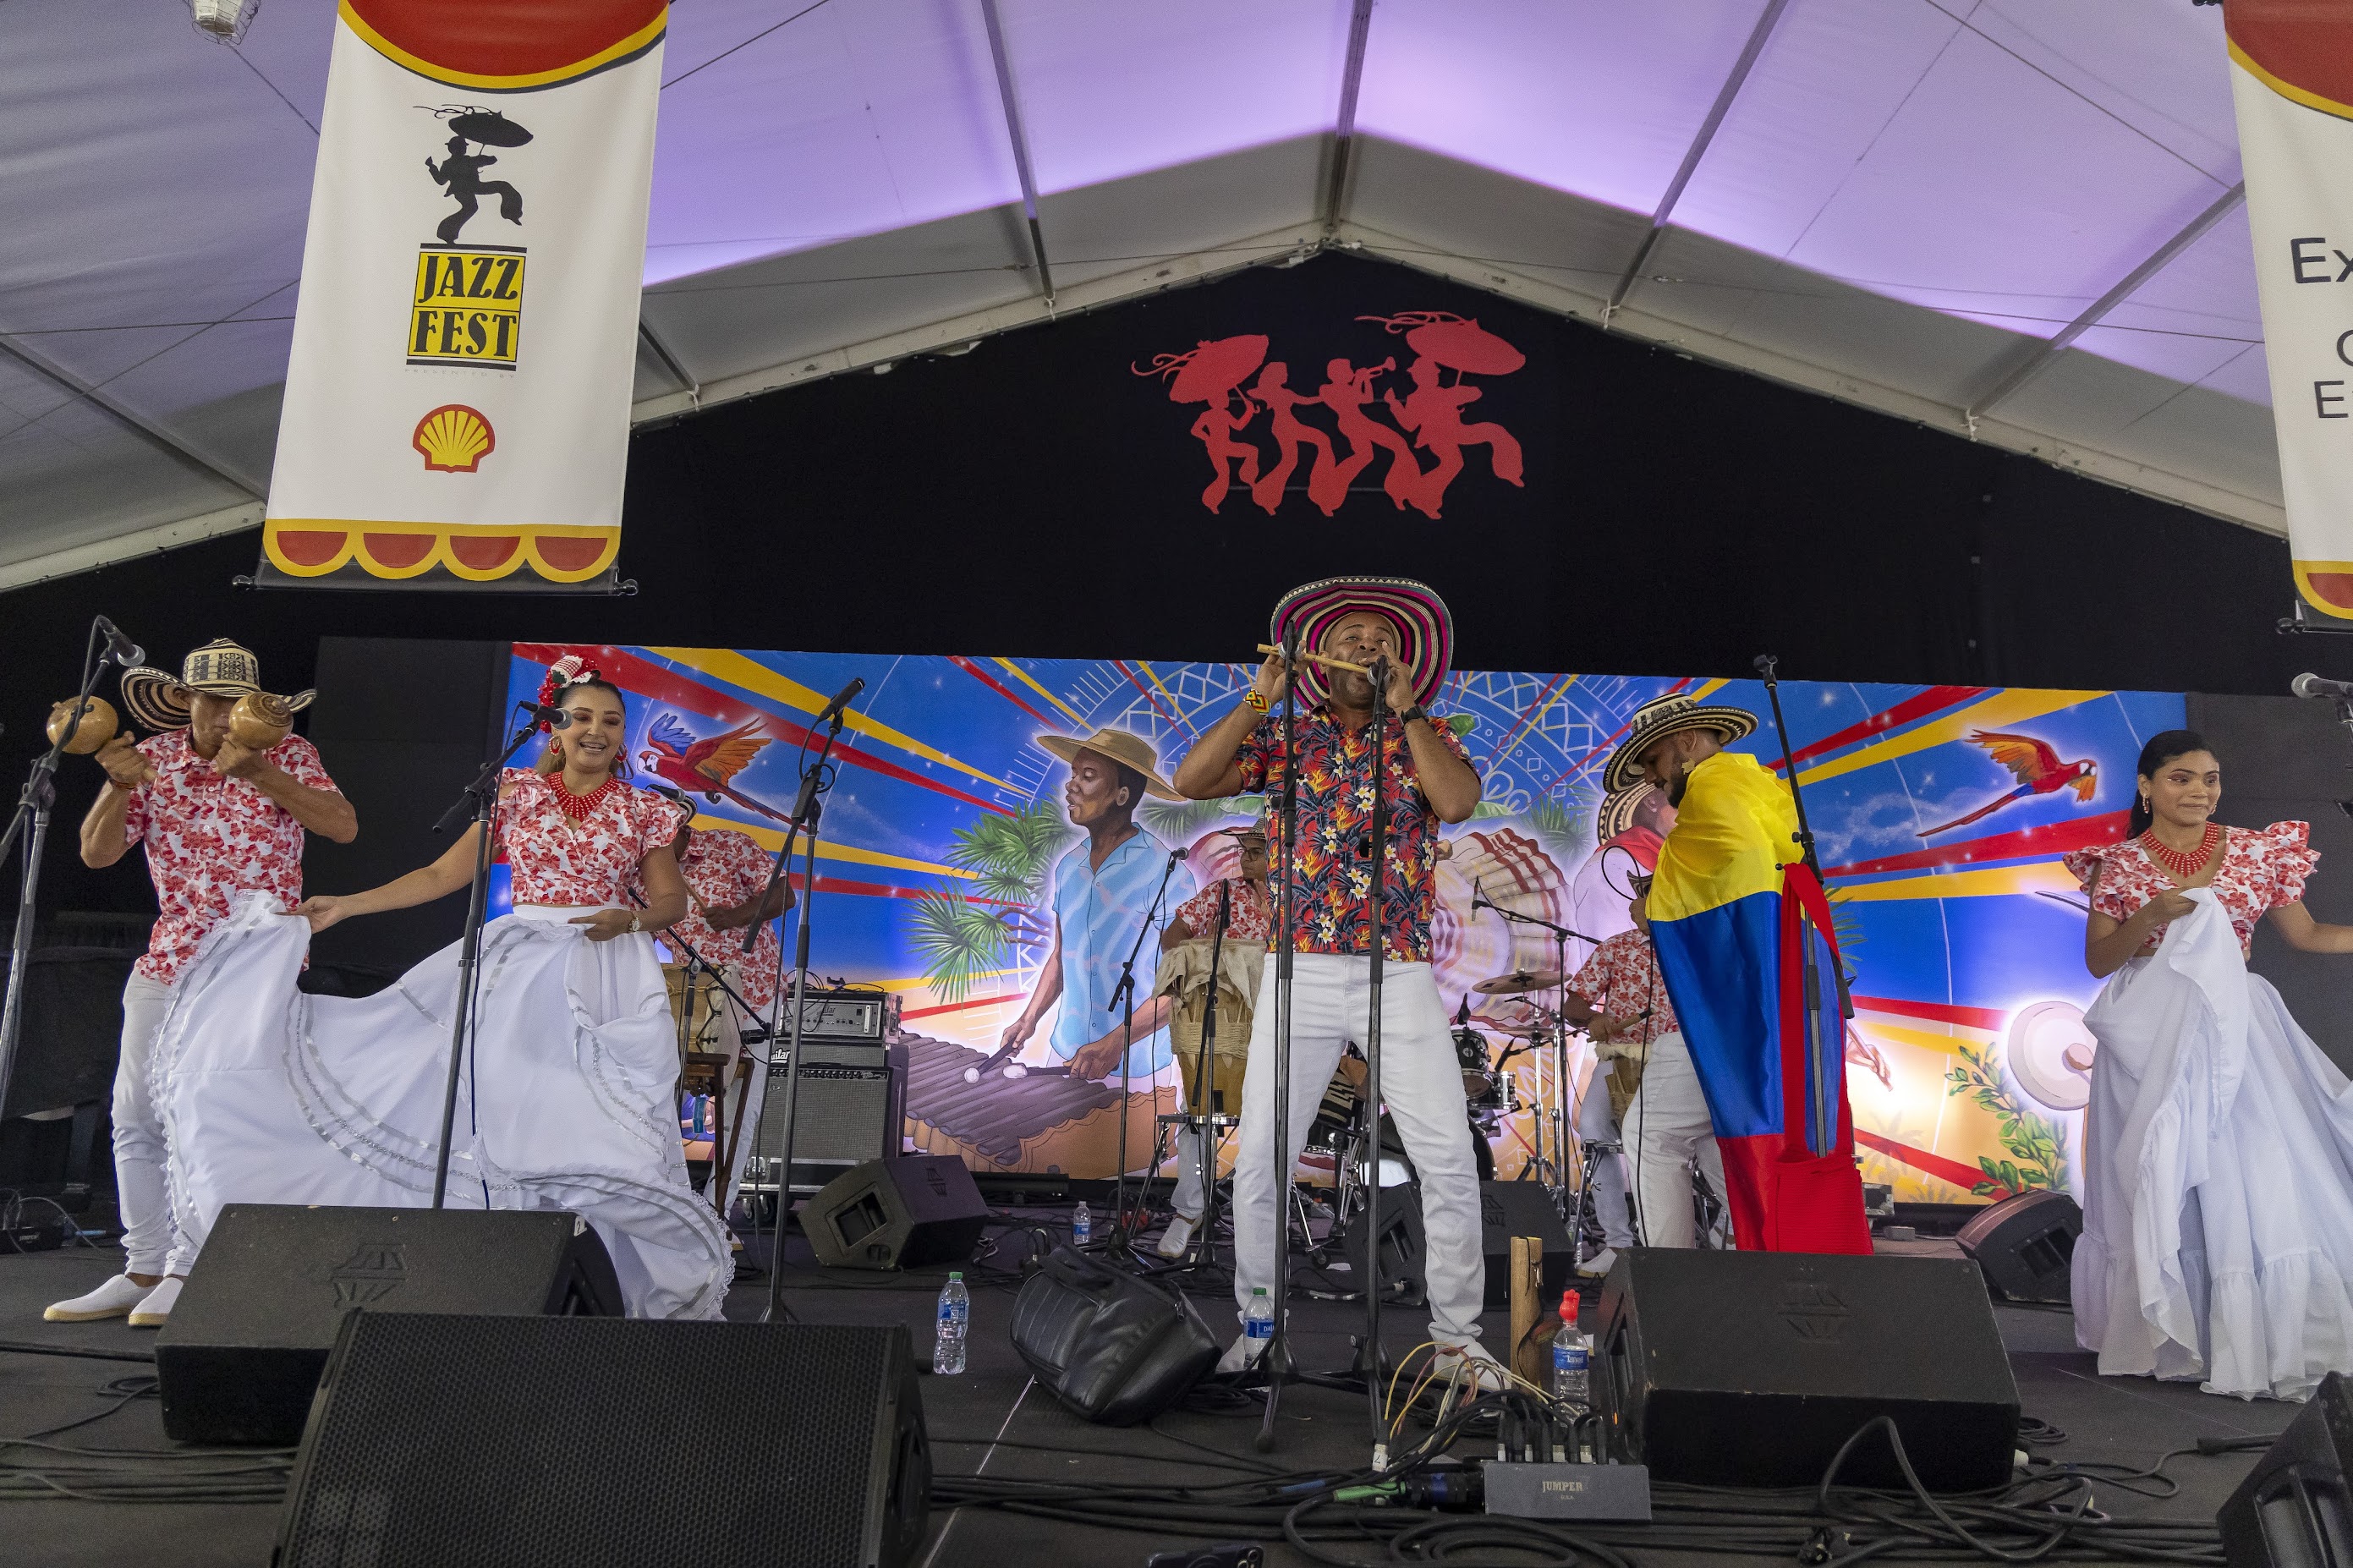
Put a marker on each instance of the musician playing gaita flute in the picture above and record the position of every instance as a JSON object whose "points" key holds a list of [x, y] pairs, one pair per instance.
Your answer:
{"points": [[1424, 779]]}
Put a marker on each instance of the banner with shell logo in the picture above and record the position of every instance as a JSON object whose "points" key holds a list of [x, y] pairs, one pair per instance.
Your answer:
{"points": [[458, 398], [2291, 84]]}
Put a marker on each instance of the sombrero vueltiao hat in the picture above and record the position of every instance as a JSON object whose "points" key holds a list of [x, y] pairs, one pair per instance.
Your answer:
{"points": [[1425, 631], [1616, 813], [1663, 716], [1120, 747], [159, 700]]}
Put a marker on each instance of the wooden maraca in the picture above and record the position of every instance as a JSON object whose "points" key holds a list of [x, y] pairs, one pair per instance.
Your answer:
{"points": [[260, 719], [99, 723]]}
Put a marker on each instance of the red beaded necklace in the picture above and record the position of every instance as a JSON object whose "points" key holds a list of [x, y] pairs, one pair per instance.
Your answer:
{"points": [[580, 807], [2183, 865]]}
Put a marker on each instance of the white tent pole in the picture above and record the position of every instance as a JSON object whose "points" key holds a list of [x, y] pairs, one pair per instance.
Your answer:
{"points": [[1344, 124], [1020, 146], [154, 434]]}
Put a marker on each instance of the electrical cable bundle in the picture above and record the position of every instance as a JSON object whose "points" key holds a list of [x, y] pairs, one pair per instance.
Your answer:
{"points": [[33, 1469]]}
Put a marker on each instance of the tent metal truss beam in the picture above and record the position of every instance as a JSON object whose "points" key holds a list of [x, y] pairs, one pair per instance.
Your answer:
{"points": [[160, 436], [2040, 357], [669, 362], [1020, 141], [1758, 36], [1344, 123]]}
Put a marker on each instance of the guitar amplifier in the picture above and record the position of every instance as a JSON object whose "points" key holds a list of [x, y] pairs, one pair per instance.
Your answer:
{"points": [[852, 1109]]}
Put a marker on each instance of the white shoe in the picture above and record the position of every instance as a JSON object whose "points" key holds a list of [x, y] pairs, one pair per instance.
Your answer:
{"points": [[1599, 1264], [156, 1310], [111, 1299], [1177, 1237], [1241, 1356], [1478, 1363]]}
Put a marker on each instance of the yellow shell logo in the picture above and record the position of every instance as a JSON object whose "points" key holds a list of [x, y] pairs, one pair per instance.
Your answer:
{"points": [[453, 438]]}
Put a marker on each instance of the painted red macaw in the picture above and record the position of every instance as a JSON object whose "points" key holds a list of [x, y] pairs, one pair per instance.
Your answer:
{"points": [[2036, 767], [704, 767]]}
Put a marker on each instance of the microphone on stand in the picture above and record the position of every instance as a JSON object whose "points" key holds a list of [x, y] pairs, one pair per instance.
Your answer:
{"points": [[2309, 685], [1179, 853], [120, 649], [554, 717], [841, 699]]}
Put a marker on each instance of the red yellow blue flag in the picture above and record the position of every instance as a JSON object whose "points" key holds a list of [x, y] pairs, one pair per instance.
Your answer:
{"points": [[1750, 960]]}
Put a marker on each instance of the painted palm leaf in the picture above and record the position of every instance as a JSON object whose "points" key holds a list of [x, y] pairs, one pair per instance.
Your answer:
{"points": [[957, 943]]}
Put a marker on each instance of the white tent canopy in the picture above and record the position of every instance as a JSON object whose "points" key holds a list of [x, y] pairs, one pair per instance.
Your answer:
{"points": [[2013, 219]]}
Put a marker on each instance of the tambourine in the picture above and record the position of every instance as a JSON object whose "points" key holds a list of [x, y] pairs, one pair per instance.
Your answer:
{"points": [[260, 719], [98, 726]]}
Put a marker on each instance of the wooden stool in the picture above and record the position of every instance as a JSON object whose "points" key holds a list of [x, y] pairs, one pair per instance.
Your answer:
{"points": [[706, 1073]]}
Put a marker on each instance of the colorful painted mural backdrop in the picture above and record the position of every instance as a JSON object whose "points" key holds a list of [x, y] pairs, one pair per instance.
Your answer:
{"points": [[1940, 813]]}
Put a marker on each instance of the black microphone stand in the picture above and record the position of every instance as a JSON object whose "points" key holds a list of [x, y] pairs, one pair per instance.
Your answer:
{"points": [[1370, 1135], [1567, 1196], [1122, 1001], [808, 811], [1766, 664], [1278, 1348], [31, 823], [479, 799]]}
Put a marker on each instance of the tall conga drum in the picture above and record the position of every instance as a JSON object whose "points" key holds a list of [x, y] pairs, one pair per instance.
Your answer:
{"points": [[1184, 977]]}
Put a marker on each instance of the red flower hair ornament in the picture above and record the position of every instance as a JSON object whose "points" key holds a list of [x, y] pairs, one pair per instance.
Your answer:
{"points": [[568, 671]]}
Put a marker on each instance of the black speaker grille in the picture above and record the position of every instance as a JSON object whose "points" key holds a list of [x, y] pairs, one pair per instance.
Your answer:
{"points": [[550, 1443]]}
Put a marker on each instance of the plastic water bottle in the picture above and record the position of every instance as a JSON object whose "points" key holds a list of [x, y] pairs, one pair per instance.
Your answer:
{"points": [[956, 1316], [1082, 1225], [1572, 1358], [1258, 1323]]}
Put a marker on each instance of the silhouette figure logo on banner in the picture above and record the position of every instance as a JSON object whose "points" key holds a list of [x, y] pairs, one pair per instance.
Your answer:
{"points": [[1235, 380], [460, 172]]}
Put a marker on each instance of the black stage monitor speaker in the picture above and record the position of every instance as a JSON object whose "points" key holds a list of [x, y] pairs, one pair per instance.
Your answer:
{"points": [[1506, 1209], [2026, 1245], [905, 1213], [2294, 1509], [1752, 1368], [241, 1357], [558, 1442]]}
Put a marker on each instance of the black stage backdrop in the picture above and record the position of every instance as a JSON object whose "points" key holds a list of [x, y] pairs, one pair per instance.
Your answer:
{"points": [[1035, 497]]}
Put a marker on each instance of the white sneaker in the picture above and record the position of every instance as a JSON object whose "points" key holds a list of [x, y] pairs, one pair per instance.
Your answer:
{"points": [[1485, 1373], [1177, 1237], [156, 1310], [1599, 1264], [1241, 1356], [111, 1299]]}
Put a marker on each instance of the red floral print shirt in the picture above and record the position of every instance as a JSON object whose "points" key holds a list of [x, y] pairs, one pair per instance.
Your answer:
{"points": [[721, 868], [2261, 870], [1621, 979], [209, 838], [1250, 917], [1331, 875], [591, 863]]}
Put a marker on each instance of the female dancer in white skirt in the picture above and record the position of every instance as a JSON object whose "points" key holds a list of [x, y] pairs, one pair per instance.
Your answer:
{"points": [[2217, 1146], [568, 1099]]}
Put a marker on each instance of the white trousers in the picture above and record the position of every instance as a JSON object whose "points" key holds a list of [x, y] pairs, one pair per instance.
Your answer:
{"points": [[1595, 1125], [1666, 1128], [1197, 1156], [141, 1197], [1421, 1085]]}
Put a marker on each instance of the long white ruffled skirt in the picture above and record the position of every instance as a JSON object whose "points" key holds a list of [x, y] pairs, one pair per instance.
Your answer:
{"points": [[272, 1096], [2218, 1213]]}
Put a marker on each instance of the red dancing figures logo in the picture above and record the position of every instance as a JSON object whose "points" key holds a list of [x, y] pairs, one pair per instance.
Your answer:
{"points": [[1234, 381]]}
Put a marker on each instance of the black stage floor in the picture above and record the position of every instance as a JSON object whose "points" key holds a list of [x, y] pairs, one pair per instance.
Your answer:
{"points": [[992, 1420]]}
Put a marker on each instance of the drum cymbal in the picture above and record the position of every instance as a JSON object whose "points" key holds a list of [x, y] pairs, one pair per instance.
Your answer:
{"points": [[1519, 980]]}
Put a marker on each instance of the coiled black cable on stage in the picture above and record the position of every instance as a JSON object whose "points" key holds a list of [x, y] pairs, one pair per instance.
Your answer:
{"points": [[34, 1469]]}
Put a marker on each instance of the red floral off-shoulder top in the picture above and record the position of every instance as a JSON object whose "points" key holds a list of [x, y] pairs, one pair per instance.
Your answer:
{"points": [[2261, 870]]}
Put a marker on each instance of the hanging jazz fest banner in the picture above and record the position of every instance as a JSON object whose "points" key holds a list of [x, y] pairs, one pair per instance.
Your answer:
{"points": [[2292, 81], [458, 399]]}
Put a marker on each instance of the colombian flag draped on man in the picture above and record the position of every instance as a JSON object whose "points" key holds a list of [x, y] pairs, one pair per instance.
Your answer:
{"points": [[1747, 949]]}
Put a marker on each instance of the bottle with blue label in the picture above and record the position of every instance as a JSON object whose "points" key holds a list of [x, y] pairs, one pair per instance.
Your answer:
{"points": [[1082, 1225], [955, 1317], [1258, 1322], [1572, 1357]]}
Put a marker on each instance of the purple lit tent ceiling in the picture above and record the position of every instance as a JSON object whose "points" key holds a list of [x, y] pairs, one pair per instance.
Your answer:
{"points": [[2018, 219]]}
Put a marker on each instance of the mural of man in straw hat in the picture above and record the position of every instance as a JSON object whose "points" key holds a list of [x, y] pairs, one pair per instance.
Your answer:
{"points": [[1103, 889], [217, 818], [1424, 777], [1728, 896]]}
